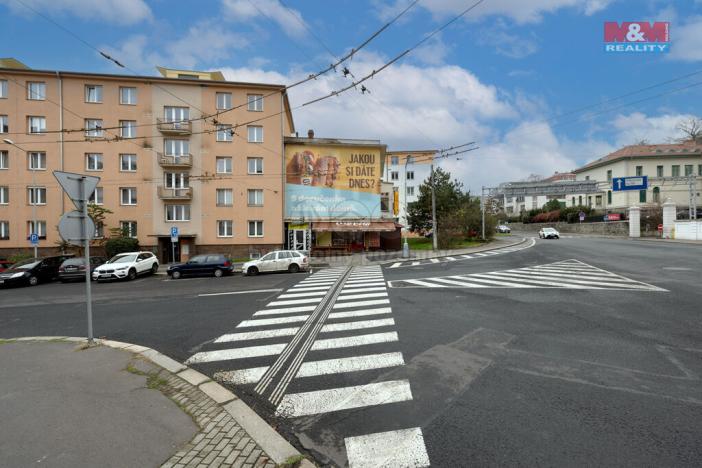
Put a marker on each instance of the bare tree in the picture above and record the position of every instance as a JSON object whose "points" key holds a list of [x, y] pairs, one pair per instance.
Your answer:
{"points": [[691, 129]]}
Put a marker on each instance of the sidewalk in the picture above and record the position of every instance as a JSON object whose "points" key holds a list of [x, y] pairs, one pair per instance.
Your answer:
{"points": [[118, 405]]}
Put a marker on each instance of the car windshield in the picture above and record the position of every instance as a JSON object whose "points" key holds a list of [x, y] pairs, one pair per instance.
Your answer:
{"points": [[549, 230], [74, 261], [123, 258], [26, 264]]}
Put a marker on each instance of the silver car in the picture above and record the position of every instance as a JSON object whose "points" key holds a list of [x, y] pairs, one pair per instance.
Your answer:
{"points": [[279, 260]]}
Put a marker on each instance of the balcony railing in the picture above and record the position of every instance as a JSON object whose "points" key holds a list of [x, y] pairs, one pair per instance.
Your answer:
{"points": [[166, 193], [176, 127], [184, 160]]}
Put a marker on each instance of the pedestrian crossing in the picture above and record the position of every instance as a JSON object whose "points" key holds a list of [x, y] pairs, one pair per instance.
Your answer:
{"points": [[568, 274], [487, 253], [322, 347]]}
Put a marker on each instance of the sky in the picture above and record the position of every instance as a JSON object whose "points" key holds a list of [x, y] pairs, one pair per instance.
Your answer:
{"points": [[527, 80]]}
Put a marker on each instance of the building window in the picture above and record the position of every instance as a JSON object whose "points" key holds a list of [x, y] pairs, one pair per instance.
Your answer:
{"points": [[409, 159], [224, 133], [36, 91], [3, 89], [176, 147], [609, 197], [93, 128], [36, 124], [4, 230], [36, 195], [410, 191], [225, 228], [656, 194], [128, 196], [410, 175], [598, 200], [127, 95], [176, 180], [589, 201], [255, 228], [580, 200], [255, 133], [127, 162], [642, 196], [4, 127], [4, 195], [394, 160], [223, 101], [255, 102], [37, 161], [93, 93], [639, 170], [127, 128], [394, 175], [5, 160], [99, 230], [689, 169], [225, 197], [385, 202], [93, 162], [572, 202], [699, 169], [224, 165], [609, 175], [255, 197], [255, 165], [96, 197], [128, 228], [676, 171], [39, 229], [659, 171], [178, 213], [176, 114]]}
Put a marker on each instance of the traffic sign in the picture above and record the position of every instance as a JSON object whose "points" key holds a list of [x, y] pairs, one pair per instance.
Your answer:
{"points": [[34, 238], [72, 184], [621, 184], [174, 234], [581, 215], [71, 228]]}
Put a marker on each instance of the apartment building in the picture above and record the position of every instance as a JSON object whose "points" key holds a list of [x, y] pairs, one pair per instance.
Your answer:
{"points": [[519, 197], [406, 171], [186, 149]]}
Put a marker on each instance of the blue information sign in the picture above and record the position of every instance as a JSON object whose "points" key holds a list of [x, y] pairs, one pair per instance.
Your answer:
{"points": [[174, 234], [34, 238], [620, 184]]}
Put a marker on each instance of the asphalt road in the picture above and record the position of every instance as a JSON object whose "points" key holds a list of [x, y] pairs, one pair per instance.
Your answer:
{"points": [[547, 368]]}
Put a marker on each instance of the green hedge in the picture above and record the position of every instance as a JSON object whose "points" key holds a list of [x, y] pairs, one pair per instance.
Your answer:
{"points": [[117, 245]]}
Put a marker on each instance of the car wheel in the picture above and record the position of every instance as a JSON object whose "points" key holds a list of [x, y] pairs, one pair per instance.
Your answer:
{"points": [[218, 273], [557, 237], [154, 268], [294, 268], [175, 274], [132, 274], [252, 271], [33, 281]]}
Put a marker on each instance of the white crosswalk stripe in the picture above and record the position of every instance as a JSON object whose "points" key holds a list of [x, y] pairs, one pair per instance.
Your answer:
{"points": [[476, 255], [404, 447]]}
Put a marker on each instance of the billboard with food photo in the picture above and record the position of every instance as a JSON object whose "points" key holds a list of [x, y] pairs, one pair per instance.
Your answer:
{"points": [[332, 181]]}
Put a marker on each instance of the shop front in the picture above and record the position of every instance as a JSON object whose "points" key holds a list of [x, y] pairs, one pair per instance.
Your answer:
{"points": [[344, 237]]}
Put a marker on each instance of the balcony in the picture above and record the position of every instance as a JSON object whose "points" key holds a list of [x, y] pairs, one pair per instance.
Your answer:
{"points": [[165, 193], [183, 160], [170, 127]]}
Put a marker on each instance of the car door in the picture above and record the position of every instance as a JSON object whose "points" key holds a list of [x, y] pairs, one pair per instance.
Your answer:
{"points": [[267, 262], [48, 269], [283, 261], [142, 263]]}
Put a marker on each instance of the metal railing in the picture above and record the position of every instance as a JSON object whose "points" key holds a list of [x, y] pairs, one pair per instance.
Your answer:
{"points": [[180, 127], [183, 160], [167, 193]]}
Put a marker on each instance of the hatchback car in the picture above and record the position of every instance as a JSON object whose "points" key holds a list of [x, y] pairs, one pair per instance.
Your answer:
{"points": [[127, 265], [216, 265], [279, 260], [502, 229], [74, 268], [549, 233], [32, 271]]}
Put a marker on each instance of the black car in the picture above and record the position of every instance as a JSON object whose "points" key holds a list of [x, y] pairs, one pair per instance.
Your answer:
{"points": [[32, 271], [210, 264], [74, 268]]}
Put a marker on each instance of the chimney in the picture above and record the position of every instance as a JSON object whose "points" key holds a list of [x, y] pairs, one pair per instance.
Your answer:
{"points": [[310, 133]]}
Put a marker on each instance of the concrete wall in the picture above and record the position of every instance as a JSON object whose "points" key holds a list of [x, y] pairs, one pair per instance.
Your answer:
{"points": [[611, 228], [688, 230]]}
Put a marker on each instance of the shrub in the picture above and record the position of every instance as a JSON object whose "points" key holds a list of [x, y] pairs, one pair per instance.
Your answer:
{"points": [[117, 245]]}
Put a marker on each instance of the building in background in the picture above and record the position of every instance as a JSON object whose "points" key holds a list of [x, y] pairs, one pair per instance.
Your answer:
{"points": [[166, 149], [519, 197], [406, 171], [334, 200]]}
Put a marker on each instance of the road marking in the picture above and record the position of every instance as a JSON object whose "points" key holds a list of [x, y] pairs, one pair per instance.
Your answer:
{"points": [[363, 285], [302, 287], [395, 265], [345, 305], [350, 364], [480, 254], [337, 399], [415, 263], [360, 325], [252, 291], [295, 301], [467, 256], [451, 259], [423, 283], [256, 335], [236, 353], [458, 283], [272, 321], [285, 310], [377, 288], [242, 376], [403, 448], [573, 283], [360, 313], [434, 260], [353, 341], [348, 297], [302, 294]]}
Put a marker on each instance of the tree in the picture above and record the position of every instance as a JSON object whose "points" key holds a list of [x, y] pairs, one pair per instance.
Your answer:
{"points": [[98, 214], [552, 205], [449, 198], [691, 129]]}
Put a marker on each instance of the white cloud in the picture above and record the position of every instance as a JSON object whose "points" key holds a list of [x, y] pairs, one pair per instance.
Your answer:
{"points": [[288, 19], [433, 52], [122, 12], [508, 44], [686, 39], [635, 127]]}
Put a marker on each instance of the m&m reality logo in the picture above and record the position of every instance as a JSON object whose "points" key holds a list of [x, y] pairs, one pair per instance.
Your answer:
{"points": [[637, 37]]}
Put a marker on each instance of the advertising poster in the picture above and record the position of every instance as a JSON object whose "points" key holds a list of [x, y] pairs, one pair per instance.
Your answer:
{"points": [[332, 181]]}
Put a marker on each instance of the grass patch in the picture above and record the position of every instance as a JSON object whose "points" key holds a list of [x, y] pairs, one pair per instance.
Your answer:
{"points": [[4, 341], [292, 462], [422, 243], [132, 369], [240, 260], [155, 381]]}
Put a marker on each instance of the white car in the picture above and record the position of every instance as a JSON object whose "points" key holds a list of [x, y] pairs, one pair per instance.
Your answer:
{"points": [[279, 260], [549, 233], [127, 265]]}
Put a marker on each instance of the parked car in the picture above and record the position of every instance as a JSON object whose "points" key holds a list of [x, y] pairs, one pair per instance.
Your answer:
{"points": [[279, 260], [4, 265], [32, 271], [127, 265], [74, 268], [549, 233], [211, 264], [502, 229]]}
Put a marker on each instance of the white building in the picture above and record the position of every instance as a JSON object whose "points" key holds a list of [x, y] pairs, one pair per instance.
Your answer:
{"points": [[525, 196], [406, 171]]}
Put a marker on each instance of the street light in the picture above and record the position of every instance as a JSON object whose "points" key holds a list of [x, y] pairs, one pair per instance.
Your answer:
{"points": [[34, 205]]}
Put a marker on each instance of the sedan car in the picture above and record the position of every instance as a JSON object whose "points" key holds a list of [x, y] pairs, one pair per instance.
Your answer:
{"points": [[74, 268], [127, 265], [502, 229], [216, 265], [32, 271], [279, 260], [549, 233]]}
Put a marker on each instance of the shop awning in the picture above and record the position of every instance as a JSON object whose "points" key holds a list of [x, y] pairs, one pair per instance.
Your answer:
{"points": [[347, 226]]}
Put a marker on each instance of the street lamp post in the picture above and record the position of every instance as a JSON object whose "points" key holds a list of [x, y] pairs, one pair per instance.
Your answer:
{"points": [[34, 203], [405, 245]]}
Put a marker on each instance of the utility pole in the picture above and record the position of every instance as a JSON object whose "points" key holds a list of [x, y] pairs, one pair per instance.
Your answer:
{"points": [[692, 188], [434, 235], [482, 210], [405, 245]]}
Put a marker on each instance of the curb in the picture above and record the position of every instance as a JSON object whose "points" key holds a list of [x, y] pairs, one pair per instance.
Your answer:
{"points": [[276, 447]]}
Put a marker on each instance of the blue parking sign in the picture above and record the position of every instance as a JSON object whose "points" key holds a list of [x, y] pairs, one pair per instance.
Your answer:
{"points": [[34, 238]]}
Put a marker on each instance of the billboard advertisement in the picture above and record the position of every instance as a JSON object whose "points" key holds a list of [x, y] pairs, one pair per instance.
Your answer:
{"points": [[332, 181]]}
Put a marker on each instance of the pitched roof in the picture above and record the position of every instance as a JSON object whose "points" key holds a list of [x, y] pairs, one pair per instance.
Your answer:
{"points": [[687, 148]]}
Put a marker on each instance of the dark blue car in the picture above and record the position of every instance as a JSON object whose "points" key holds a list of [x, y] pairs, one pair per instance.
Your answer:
{"points": [[202, 265]]}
